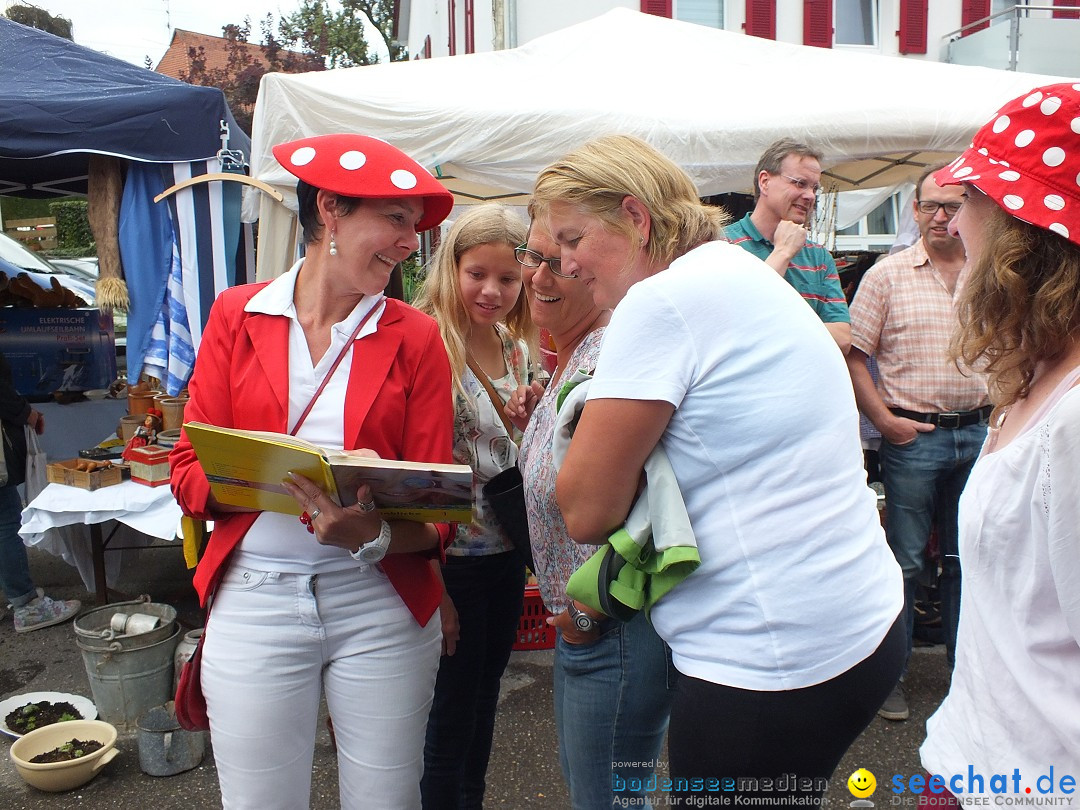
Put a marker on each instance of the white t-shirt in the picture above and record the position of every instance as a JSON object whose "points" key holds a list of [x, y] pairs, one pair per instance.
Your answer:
{"points": [[1014, 701], [796, 583]]}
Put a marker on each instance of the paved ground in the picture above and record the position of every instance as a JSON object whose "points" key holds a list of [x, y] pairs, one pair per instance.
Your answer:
{"points": [[524, 771]]}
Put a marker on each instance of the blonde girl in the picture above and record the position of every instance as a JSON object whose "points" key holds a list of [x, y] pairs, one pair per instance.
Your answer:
{"points": [[473, 290]]}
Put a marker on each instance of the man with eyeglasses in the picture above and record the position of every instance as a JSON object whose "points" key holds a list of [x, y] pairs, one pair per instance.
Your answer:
{"points": [[931, 416], [786, 185]]}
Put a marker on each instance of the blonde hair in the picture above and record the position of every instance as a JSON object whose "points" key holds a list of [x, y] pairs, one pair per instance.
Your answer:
{"points": [[598, 176], [440, 295], [1021, 304]]}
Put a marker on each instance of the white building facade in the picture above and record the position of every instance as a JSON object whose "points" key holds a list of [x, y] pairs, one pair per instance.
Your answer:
{"points": [[1025, 35]]}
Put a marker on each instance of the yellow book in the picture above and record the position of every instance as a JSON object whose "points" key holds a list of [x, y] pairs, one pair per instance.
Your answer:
{"points": [[246, 468]]}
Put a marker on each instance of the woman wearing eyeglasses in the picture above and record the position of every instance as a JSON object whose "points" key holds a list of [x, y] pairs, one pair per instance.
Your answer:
{"points": [[789, 635], [611, 679]]}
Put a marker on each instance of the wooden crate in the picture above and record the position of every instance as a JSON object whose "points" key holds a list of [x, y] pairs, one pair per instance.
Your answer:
{"points": [[64, 472]]}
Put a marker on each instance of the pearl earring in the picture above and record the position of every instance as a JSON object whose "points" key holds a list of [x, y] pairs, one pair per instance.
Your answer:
{"points": [[333, 245]]}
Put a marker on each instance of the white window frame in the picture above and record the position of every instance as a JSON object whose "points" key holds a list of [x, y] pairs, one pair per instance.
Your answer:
{"points": [[719, 4], [862, 239], [875, 23]]}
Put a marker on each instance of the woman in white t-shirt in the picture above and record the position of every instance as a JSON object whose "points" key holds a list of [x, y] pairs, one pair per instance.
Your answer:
{"points": [[787, 637], [1014, 701]]}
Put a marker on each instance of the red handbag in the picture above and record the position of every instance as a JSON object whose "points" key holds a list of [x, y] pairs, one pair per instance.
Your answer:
{"points": [[190, 701]]}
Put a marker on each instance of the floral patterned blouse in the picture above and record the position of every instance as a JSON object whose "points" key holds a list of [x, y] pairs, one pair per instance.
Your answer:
{"points": [[555, 554], [481, 441]]}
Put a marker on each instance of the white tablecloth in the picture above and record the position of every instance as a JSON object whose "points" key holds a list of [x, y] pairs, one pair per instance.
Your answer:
{"points": [[149, 510]]}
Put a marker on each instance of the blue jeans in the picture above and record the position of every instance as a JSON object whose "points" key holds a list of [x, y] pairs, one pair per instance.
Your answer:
{"points": [[612, 699], [14, 565], [487, 593], [923, 481]]}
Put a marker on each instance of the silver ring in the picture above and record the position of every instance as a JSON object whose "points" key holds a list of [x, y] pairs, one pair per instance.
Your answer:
{"points": [[315, 513], [368, 506]]}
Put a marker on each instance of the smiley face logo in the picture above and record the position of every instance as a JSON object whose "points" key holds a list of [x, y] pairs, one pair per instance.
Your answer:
{"points": [[861, 783]]}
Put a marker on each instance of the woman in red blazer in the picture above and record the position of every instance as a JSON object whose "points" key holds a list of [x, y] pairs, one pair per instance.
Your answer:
{"points": [[312, 607]]}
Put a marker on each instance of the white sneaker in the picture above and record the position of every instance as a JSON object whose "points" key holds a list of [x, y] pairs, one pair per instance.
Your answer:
{"points": [[42, 611]]}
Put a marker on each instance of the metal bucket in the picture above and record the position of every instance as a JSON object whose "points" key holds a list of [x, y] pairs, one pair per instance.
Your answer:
{"points": [[94, 630], [126, 681], [165, 749]]}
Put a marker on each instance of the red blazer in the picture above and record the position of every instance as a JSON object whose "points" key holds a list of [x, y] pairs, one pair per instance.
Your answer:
{"points": [[398, 403]]}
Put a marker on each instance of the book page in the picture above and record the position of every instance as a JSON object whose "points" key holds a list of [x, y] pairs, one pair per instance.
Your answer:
{"points": [[418, 492]]}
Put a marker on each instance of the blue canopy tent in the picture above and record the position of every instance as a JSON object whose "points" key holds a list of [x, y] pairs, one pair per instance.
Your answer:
{"points": [[60, 104]]}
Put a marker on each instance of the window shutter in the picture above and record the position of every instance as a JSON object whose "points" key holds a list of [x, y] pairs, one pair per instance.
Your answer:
{"points": [[912, 31], [452, 16], [427, 46], [661, 8], [761, 18], [972, 10], [817, 23], [1066, 15], [470, 28]]}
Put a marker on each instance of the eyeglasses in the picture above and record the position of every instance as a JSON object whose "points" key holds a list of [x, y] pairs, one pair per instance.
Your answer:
{"points": [[802, 185], [530, 258], [930, 208]]}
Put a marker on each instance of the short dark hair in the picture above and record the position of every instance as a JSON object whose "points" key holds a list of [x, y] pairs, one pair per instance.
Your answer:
{"points": [[307, 201], [929, 170], [772, 157]]}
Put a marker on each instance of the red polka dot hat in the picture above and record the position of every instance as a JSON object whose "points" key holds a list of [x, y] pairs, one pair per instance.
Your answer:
{"points": [[361, 166], [1027, 159]]}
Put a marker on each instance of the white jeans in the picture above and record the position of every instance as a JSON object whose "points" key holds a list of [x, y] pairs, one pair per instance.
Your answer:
{"points": [[273, 643]]}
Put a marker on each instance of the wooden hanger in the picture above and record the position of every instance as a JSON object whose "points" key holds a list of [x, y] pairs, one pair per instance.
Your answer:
{"points": [[223, 176]]}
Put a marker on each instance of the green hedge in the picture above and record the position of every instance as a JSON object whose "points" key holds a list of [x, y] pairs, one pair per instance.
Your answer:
{"points": [[73, 235], [23, 208]]}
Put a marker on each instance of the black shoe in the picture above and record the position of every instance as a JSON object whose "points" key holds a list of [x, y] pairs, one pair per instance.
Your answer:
{"points": [[895, 706]]}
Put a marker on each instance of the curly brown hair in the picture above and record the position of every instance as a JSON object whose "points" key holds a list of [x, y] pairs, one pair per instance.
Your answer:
{"points": [[1021, 304]]}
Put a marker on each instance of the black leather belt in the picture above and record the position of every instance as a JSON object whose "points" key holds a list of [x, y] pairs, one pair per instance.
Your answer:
{"points": [[948, 421]]}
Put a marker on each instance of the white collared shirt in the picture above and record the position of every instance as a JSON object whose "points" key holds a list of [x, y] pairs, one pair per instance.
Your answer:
{"points": [[271, 543]]}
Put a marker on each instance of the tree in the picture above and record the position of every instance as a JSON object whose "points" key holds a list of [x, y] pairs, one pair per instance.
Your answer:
{"points": [[312, 38], [39, 18], [245, 63], [341, 37]]}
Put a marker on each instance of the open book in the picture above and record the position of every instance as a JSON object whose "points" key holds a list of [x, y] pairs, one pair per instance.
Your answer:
{"points": [[246, 468]]}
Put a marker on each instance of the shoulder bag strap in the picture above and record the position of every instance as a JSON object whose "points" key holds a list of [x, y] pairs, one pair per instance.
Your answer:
{"points": [[333, 368], [495, 399]]}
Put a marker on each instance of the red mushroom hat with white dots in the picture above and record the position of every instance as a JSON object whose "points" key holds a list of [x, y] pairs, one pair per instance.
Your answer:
{"points": [[1027, 159], [362, 166]]}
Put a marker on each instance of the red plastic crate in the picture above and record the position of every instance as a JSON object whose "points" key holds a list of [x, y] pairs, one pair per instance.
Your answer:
{"points": [[534, 633]]}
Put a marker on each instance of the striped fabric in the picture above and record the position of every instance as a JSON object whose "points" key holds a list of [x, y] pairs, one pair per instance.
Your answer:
{"points": [[212, 250], [811, 271]]}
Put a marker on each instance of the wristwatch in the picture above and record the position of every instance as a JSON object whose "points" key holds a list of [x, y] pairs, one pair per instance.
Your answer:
{"points": [[374, 550], [582, 621]]}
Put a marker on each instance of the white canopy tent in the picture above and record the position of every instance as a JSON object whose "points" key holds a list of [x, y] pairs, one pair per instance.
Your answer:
{"points": [[711, 100]]}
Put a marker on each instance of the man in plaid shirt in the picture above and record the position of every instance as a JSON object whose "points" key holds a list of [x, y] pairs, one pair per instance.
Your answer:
{"points": [[931, 416]]}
